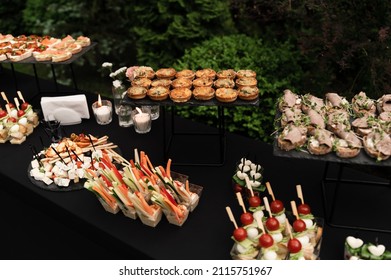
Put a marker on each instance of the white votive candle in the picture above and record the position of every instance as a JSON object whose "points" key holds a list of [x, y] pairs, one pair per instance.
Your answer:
{"points": [[141, 120], [102, 111]]}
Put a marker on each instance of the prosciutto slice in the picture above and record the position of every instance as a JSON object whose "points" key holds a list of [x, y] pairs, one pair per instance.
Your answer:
{"points": [[384, 103], [294, 134], [316, 119], [335, 100], [324, 136], [312, 102]]}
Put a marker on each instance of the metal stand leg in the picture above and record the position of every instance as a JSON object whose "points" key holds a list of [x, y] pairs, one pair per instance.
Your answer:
{"points": [[329, 207], [220, 135]]}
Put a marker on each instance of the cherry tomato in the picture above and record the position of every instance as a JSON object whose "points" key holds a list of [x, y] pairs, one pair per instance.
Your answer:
{"points": [[11, 119], [11, 105], [276, 206], [304, 209], [299, 225], [254, 201], [272, 224], [266, 240], [246, 218], [20, 113], [238, 188], [240, 234], [24, 106], [294, 245]]}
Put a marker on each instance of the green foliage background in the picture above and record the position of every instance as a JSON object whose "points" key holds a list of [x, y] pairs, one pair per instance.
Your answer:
{"points": [[311, 45]]}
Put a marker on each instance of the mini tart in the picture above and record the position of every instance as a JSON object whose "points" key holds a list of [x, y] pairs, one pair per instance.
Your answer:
{"points": [[144, 72], [158, 93], [180, 95], [226, 94], [166, 73], [161, 83], [246, 82], [202, 82], [186, 73], [203, 93], [206, 73], [142, 82], [224, 83], [182, 83], [226, 74], [245, 73], [137, 92], [248, 93]]}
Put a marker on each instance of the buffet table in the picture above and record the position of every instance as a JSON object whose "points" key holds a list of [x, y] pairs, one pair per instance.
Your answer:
{"points": [[207, 232]]}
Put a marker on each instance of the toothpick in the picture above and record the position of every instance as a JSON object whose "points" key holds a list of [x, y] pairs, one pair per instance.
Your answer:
{"points": [[294, 209], [20, 96], [270, 191], [241, 203], [288, 227], [300, 193], [267, 206], [7, 107], [4, 97], [248, 184], [260, 224], [187, 186], [16, 103], [231, 216]]}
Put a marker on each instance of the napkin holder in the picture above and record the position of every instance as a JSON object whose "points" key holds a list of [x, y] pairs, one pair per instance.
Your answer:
{"points": [[68, 110]]}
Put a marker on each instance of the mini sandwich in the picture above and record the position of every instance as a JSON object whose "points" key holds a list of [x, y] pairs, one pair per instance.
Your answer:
{"points": [[292, 137], [377, 144], [362, 105], [289, 100]]}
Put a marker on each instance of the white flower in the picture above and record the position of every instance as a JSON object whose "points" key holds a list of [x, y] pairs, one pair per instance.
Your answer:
{"points": [[107, 65], [112, 75], [117, 83]]}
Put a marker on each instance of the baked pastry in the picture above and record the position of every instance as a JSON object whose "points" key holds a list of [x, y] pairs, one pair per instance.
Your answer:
{"points": [[226, 74], [226, 94], [246, 82], [186, 73], [224, 82], [202, 82], [137, 92], [181, 83], [158, 93], [248, 93], [142, 82], [206, 73], [166, 73], [203, 93], [246, 73], [161, 83], [144, 72], [180, 95]]}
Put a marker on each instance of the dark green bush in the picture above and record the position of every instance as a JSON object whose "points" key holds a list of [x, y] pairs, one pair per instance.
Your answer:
{"points": [[277, 68]]}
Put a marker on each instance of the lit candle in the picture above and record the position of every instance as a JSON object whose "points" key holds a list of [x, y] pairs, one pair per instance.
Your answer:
{"points": [[102, 111], [142, 121]]}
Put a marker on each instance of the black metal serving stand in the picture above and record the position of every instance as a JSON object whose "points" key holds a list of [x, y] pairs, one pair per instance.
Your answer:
{"points": [[31, 60], [378, 175], [170, 130]]}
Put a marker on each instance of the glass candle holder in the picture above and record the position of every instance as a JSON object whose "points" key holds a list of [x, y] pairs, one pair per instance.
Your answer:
{"points": [[142, 120], [125, 115], [103, 112]]}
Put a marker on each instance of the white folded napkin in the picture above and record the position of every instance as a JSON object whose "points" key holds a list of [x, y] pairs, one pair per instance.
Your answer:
{"points": [[68, 110]]}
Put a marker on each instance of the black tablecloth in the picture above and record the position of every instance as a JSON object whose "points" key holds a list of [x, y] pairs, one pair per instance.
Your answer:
{"points": [[207, 232]]}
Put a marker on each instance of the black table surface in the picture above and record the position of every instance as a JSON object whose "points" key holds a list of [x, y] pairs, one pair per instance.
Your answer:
{"points": [[205, 235]]}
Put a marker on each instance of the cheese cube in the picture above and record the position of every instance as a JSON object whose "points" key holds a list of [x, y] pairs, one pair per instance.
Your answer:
{"points": [[47, 181], [34, 164]]}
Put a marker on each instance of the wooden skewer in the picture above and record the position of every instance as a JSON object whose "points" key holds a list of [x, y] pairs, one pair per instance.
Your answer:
{"points": [[7, 107], [270, 191], [267, 206], [300, 193], [4, 97], [231, 216], [20, 96], [260, 224], [288, 227], [294, 209], [241, 203], [16, 103], [248, 184]]}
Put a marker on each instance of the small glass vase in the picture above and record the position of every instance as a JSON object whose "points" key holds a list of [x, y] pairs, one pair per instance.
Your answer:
{"points": [[118, 94]]}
